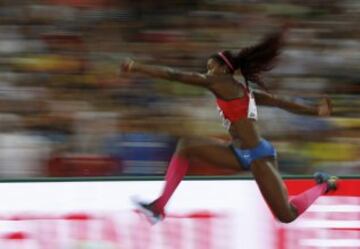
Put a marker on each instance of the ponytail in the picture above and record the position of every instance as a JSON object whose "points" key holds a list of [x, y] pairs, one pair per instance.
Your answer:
{"points": [[254, 60], [259, 58]]}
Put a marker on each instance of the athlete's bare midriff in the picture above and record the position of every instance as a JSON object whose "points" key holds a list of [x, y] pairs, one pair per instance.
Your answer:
{"points": [[244, 133]]}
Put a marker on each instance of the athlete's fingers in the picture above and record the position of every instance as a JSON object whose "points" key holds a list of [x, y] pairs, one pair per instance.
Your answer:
{"points": [[127, 64]]}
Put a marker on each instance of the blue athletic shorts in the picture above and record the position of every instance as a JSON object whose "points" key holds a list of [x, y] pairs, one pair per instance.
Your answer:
{"points": [[247, 156]]}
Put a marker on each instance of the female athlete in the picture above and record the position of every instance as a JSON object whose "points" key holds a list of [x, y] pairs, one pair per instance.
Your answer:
{"points": [[248, 151]]}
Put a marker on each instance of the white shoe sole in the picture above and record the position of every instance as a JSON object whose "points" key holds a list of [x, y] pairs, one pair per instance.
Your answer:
{"points": [[147, 213]]}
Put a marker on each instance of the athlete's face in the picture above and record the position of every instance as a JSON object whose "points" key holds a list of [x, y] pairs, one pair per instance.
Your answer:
{"points": [[215, 68]]}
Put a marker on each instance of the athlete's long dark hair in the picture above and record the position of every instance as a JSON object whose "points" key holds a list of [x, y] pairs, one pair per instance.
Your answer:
{"points": [[254, 60]]}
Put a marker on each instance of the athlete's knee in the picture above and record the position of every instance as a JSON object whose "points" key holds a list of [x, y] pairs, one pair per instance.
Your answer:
{"points": [[190, 147], [286, 218], [183, 147]]}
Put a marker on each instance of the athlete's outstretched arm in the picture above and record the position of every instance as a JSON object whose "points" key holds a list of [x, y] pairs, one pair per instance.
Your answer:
{"points": [[167, 73], [323, 109]]}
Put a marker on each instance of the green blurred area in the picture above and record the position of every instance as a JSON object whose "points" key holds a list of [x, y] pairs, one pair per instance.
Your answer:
{"points": [[62, 93]]}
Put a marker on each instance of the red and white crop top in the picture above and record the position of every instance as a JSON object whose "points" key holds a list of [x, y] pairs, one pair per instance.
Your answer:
{"points": [[239, 108]]}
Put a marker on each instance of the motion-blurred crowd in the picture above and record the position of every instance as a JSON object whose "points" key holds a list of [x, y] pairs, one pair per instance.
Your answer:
{"points": [[67, 110]]}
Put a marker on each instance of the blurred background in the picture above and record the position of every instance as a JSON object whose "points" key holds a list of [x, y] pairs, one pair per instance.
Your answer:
{"points": [[66, 110]]}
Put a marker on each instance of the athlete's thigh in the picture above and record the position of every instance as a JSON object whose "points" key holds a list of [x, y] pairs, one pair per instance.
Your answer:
{"points": [[213, 151], [271, 186]]}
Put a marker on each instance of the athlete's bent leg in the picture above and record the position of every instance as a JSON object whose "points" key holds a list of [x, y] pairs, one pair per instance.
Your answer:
{"points": [[211, 151], [275, 193]]}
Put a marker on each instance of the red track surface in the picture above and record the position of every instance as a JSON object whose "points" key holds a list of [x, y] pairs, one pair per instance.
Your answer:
{"points": [[346, 187]]}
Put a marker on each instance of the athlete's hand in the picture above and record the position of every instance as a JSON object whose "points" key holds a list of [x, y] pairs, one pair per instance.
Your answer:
{"points": [[127, 65], [325, 107]]}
